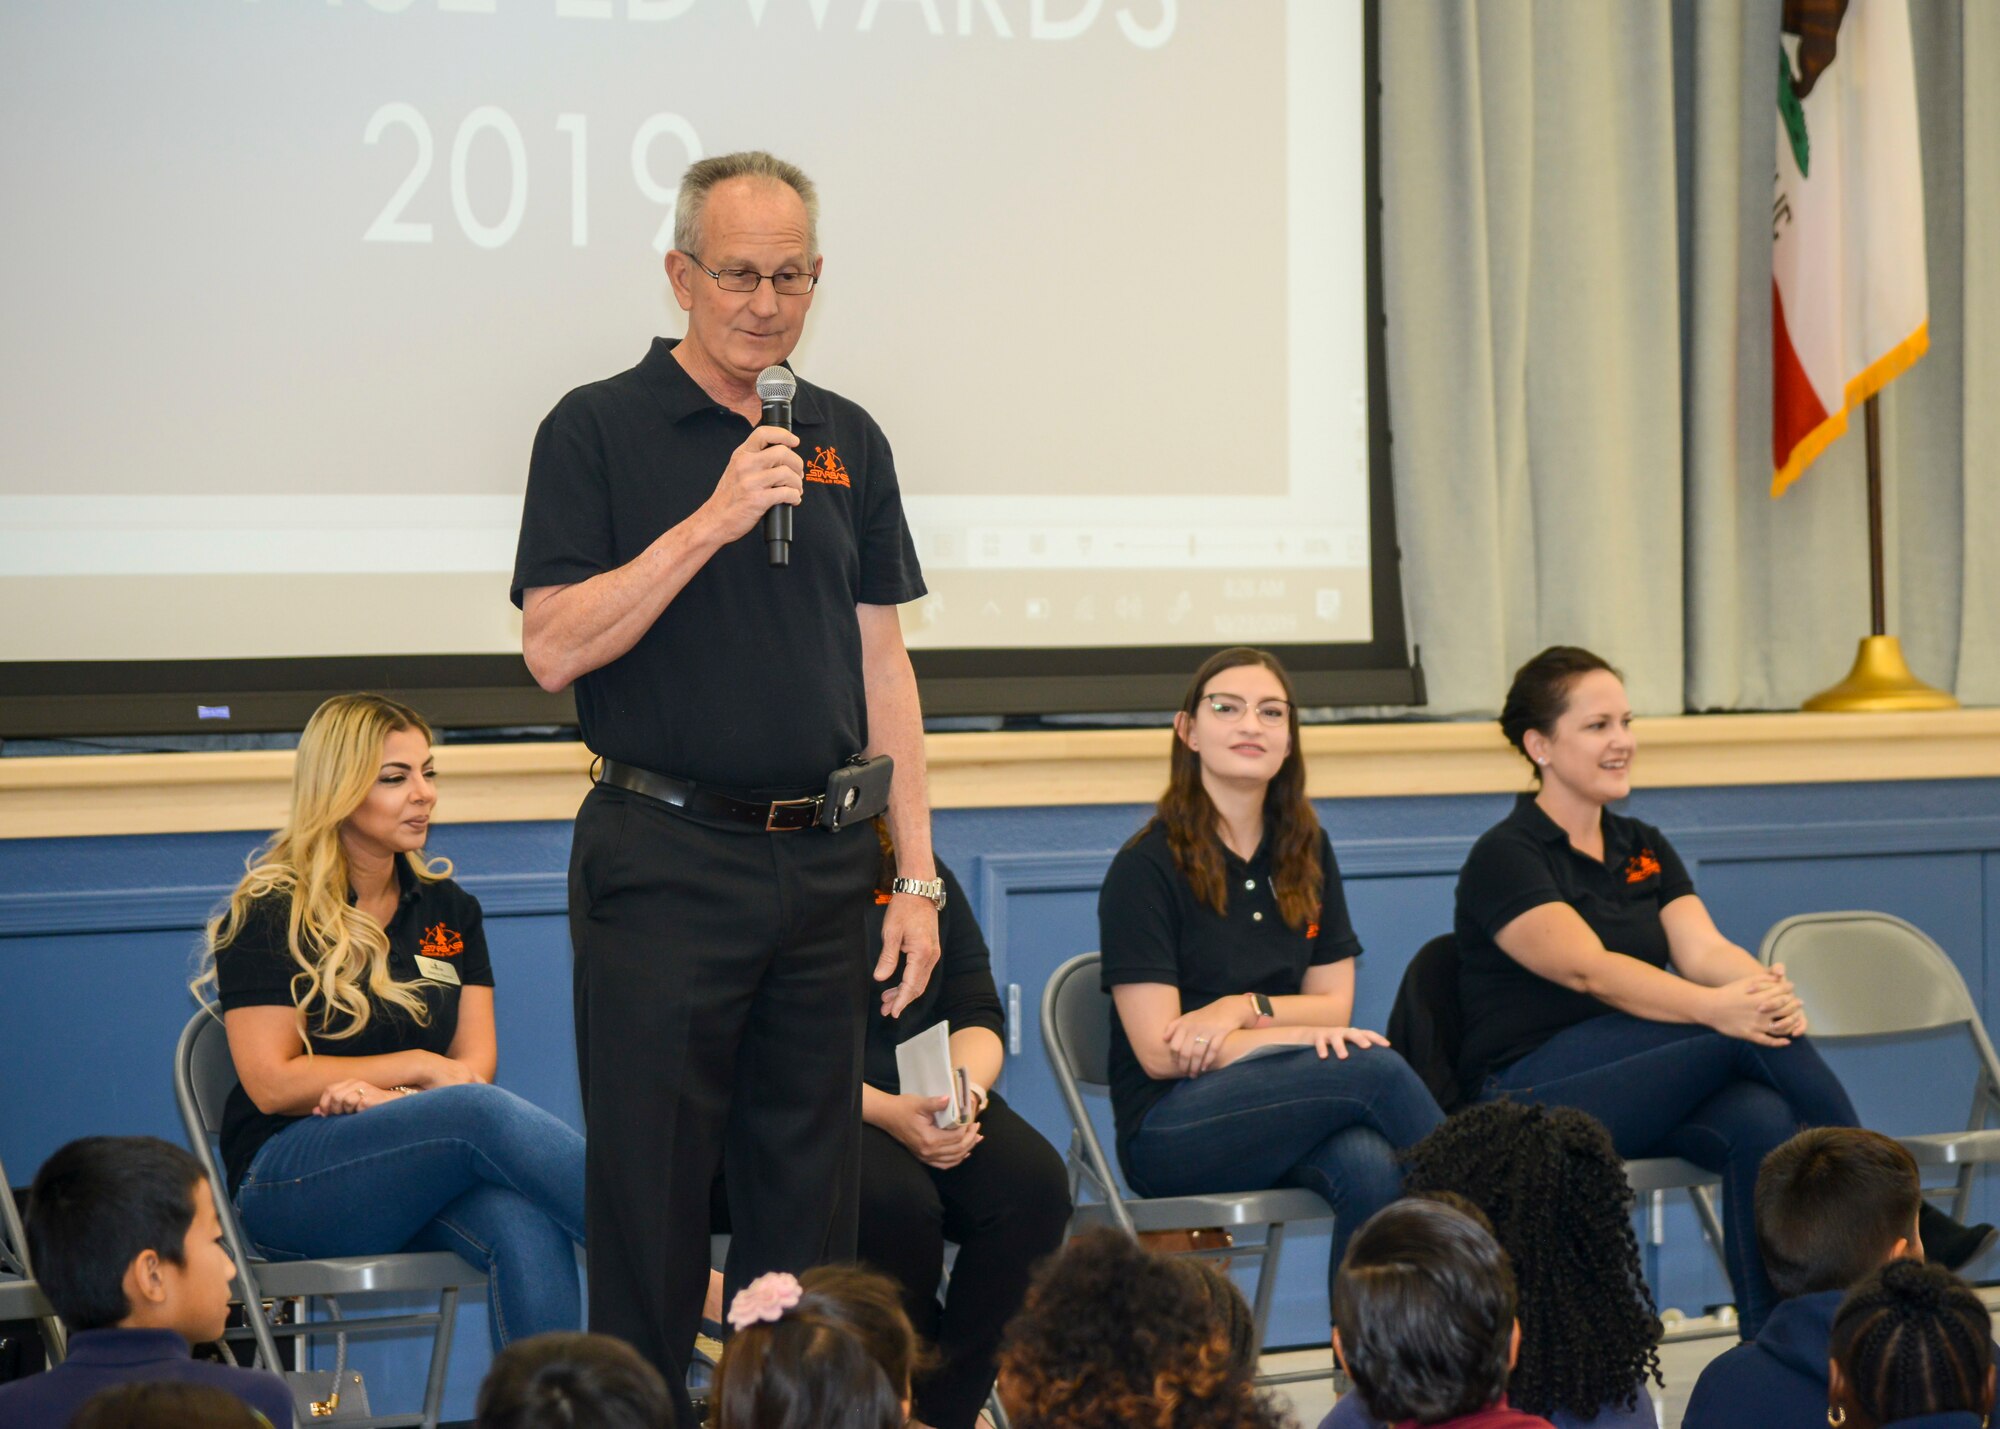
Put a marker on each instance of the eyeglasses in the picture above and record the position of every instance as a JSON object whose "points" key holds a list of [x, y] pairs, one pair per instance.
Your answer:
{"points": [[788, 281], [1231, 708]]}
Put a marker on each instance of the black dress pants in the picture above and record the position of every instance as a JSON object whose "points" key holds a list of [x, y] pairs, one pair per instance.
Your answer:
{"points": [[1005, 1207], [722, 990]]}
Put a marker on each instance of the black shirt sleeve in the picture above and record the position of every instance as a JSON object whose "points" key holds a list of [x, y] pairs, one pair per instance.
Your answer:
{"points": [[1674, 879], [1506, 874], [1137, 923], [968, 998], [566, 532], [890, 574], [1336, 939], [255, 967], [476, 966]]}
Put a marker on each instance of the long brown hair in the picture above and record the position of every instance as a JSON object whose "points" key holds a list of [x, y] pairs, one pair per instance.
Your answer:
{"points": [[1291, 828]]}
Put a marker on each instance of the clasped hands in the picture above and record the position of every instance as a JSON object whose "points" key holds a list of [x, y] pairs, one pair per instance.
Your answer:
{"points": [[352, 1094], [1762, 1008], [1195, 1037]]}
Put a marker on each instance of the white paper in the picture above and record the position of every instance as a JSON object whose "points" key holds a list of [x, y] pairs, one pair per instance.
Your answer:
{"points": [[923, 1066]]}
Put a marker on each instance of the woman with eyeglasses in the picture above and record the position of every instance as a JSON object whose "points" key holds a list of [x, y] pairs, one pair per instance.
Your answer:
{"points": [[1229, 957]]}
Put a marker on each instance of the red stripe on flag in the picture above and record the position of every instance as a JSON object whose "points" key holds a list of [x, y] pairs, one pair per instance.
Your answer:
{"points": [[1797, 410]]}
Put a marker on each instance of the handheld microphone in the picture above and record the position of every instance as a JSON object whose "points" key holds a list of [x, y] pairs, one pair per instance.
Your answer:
{"points": [[775, 389]]}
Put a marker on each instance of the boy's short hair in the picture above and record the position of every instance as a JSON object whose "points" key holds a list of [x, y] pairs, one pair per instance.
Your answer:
{"points": [[95, 1205], [168, 1404], [1830, 1204], [559, 1380], [1424, 1303]]}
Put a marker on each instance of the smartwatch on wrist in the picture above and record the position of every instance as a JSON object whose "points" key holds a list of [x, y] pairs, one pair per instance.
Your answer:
{"points": [[1260, 1009]]}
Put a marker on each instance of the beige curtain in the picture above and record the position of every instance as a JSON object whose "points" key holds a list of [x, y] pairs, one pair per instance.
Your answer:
{"points": [[1577, 276]]}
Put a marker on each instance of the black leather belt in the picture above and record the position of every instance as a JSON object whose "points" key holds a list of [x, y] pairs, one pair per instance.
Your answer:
{"points": [[776, 816]]}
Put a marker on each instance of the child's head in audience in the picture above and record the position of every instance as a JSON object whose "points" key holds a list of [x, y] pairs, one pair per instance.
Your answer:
{"points": [[1833, 1204], [1424, 1310], [829, 1350], [1113, 1335], [166, 1405], [573, 1381], [1554, 1194], [122, 1232], [1909, 1340]]}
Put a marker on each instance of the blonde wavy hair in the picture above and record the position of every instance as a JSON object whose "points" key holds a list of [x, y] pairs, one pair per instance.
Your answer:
{"points": [[340, 951]]}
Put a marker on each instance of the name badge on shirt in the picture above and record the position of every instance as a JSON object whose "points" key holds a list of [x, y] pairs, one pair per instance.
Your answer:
{"points": [[437, 970]]}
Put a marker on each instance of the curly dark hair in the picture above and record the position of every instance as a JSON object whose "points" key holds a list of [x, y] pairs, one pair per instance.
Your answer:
{"points": [[1113, 1336], [1913, 1339], [1555, 1191]]}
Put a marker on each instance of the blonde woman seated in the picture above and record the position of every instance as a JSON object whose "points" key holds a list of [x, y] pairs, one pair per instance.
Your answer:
{"points": [[357, 995]]}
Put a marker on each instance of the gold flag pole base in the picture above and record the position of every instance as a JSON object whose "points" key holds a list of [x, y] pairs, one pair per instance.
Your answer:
{"points": [[1880, 680]]}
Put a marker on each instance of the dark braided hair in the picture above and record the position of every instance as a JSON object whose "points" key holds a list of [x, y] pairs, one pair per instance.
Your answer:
{"points": [[1555, 1191], [1913, 1339]]}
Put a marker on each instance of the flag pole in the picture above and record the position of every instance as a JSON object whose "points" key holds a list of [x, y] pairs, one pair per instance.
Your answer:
{"points": [[1881, 678]]}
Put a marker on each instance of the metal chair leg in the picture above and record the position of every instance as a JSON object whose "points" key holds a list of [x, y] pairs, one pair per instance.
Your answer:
{"points": [[1711, 1224], [1267, 1286], [440, 1356]]}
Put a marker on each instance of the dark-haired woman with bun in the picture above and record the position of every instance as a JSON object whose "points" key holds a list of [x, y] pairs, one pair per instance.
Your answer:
{"points": [[1590, 974], [1229, 957], [1912, 1345]]}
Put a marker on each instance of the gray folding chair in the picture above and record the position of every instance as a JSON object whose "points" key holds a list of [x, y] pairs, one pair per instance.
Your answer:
{"points": [[20, 1297], [204, 1076], [1076, 1033], [1863, 974]]}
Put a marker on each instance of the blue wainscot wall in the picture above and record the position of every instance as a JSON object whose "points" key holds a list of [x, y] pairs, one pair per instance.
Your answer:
{"points": [[97, 937]]}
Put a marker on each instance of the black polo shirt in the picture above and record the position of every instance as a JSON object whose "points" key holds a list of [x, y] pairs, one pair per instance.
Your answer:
{"points": [[1152, 928], [437, 919], [1527, 860], [751, 679], [960, 991]]}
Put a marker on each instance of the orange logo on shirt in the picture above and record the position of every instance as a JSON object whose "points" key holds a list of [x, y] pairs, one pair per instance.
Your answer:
{"points": [[440, 942], [827, 468], [882, 899], [1641, 867], [1312, 931]]}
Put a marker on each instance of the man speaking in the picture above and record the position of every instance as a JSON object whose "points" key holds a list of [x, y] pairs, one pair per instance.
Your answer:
{"points": [[723, 863]]}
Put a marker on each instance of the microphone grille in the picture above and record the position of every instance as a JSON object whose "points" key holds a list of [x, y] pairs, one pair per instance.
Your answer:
{"points": [[776, 384]]}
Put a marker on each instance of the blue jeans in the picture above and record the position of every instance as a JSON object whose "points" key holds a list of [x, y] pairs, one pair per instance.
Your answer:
{"points": [[1289, 1119], [1670, 1089], [472, 1169]]}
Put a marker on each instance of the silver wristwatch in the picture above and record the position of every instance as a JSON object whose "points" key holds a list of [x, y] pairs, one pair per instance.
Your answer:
{"points": [[931, 888]]}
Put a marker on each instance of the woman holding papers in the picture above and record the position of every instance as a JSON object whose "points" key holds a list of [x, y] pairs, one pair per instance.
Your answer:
{"points": [[1229, 956], [990, 1185]]}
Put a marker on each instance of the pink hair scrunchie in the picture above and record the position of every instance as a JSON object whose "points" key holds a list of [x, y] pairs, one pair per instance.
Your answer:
{"points": [[764, 1299]]}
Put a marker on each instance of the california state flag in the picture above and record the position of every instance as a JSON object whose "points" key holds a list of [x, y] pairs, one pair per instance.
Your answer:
{"points": [[1851, 306]]}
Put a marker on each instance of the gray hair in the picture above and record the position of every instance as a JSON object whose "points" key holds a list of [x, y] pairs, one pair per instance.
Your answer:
{"points": [[704, 174]]}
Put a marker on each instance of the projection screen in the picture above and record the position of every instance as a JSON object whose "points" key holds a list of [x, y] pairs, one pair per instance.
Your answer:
{"points": [[290, 284]]}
